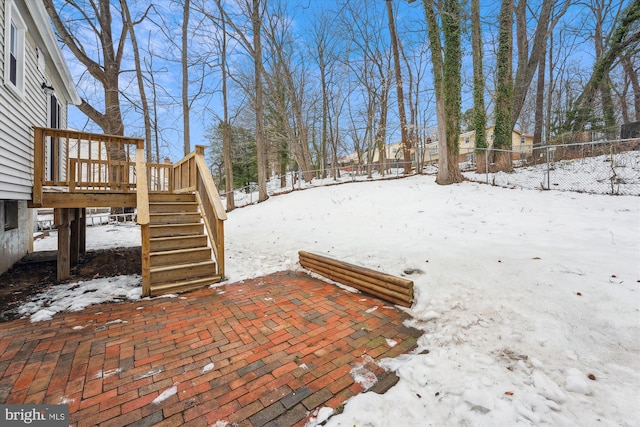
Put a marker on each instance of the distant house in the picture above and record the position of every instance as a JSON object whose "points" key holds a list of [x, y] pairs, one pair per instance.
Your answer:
{"points": [[392, 153], [521, 145], [35, 89]]}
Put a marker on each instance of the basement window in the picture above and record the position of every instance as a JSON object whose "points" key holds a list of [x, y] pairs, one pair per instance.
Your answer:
{"points": [[10, 215]]}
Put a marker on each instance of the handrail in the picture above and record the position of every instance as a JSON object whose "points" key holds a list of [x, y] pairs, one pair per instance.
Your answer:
{"points": [[211, 207], [210, 186], [191, 175], [104, 162]]}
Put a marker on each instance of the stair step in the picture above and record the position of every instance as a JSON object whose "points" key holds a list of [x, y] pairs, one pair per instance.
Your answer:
{"points": [[169, 197], [175, 218], [170, 207], [180, 256], [171, 273], [177, 242], [168, 230], [183, 285]]}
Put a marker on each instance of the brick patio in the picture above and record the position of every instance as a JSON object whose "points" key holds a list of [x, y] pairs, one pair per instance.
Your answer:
{"points": [[266, 351]]}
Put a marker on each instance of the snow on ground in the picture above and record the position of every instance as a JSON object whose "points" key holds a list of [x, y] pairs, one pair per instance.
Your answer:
{"points": [[590, 174], [529, 300], [114, 235], [77, 296]]}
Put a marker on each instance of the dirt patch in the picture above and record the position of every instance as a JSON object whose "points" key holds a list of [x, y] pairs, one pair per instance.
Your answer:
{"points": [[36, 273]]}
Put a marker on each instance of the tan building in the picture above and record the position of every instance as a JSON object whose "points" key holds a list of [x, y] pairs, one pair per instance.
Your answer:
{"points": [[521, 145]]}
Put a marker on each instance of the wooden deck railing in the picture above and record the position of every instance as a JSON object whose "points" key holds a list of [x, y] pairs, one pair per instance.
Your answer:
{"points": [[192, 175], [83, 161]]}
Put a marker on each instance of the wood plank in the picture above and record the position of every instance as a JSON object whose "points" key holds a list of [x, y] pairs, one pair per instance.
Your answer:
{"points": [[86, 200], [347, 274], [390, 288], [357, 269]]}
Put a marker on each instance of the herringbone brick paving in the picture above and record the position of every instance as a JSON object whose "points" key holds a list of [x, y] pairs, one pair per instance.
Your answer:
{"points": [[265, 351]]}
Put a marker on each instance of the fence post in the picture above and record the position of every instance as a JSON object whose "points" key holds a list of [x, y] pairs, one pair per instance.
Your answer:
{"points": [[486, 164], [548, 170]]}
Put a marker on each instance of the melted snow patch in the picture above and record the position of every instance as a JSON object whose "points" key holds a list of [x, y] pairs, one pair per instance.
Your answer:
{"points": [[319, 416], [362, 375], [207, 368], [166, 394], [108, 373]]}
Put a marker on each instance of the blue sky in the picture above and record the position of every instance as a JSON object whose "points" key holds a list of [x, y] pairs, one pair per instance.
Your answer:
{"points": [[302, 14]]}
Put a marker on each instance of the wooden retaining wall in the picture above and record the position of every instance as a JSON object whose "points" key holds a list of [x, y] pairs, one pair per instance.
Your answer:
{"points": [[384, 286]]}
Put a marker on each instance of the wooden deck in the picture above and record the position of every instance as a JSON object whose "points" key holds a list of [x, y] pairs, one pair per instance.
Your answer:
{"points": [[78, 170]]}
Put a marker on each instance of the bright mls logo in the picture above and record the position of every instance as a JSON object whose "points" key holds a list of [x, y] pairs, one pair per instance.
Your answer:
{"points": [[34, 415]]}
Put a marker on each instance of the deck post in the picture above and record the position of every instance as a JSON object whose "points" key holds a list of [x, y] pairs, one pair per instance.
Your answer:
{"points": [[38, 166], [61, 216], [82, 243], [74, 227], [78, 234]]}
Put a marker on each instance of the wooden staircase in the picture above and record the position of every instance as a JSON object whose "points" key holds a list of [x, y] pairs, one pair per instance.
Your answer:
{"points": [[180, 258]]}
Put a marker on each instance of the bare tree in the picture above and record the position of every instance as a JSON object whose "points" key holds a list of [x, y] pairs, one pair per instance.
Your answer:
{"points": [[184, 62], [256, 24], [406, 143], [105, 68], [369, 61], [226, 132], [285, 81], [622, 37], [140, 79], [253, 10]]}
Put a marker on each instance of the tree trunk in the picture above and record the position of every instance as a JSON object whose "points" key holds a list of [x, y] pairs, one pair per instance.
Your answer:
{"points": [[549, 91], [452, 65], [479, 112], [504, 88], [448, 169], [105, 73], [226, 126], [406, 144], [185, 78], [631, 72], [539, 115], [140, 79], [261, 144]]}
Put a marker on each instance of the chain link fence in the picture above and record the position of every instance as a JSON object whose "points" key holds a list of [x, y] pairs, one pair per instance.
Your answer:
{"points": [[599, 167], [297, 180]]}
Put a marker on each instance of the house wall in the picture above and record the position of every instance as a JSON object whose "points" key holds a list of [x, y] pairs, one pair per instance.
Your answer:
{"points": [[18, 115], [15, 243]]}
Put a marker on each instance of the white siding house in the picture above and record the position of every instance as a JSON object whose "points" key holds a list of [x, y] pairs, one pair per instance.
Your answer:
{"points": [[35, 89]]}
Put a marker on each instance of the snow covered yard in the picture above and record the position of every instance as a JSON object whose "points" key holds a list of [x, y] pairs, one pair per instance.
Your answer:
{"points": [[529, 301]]}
